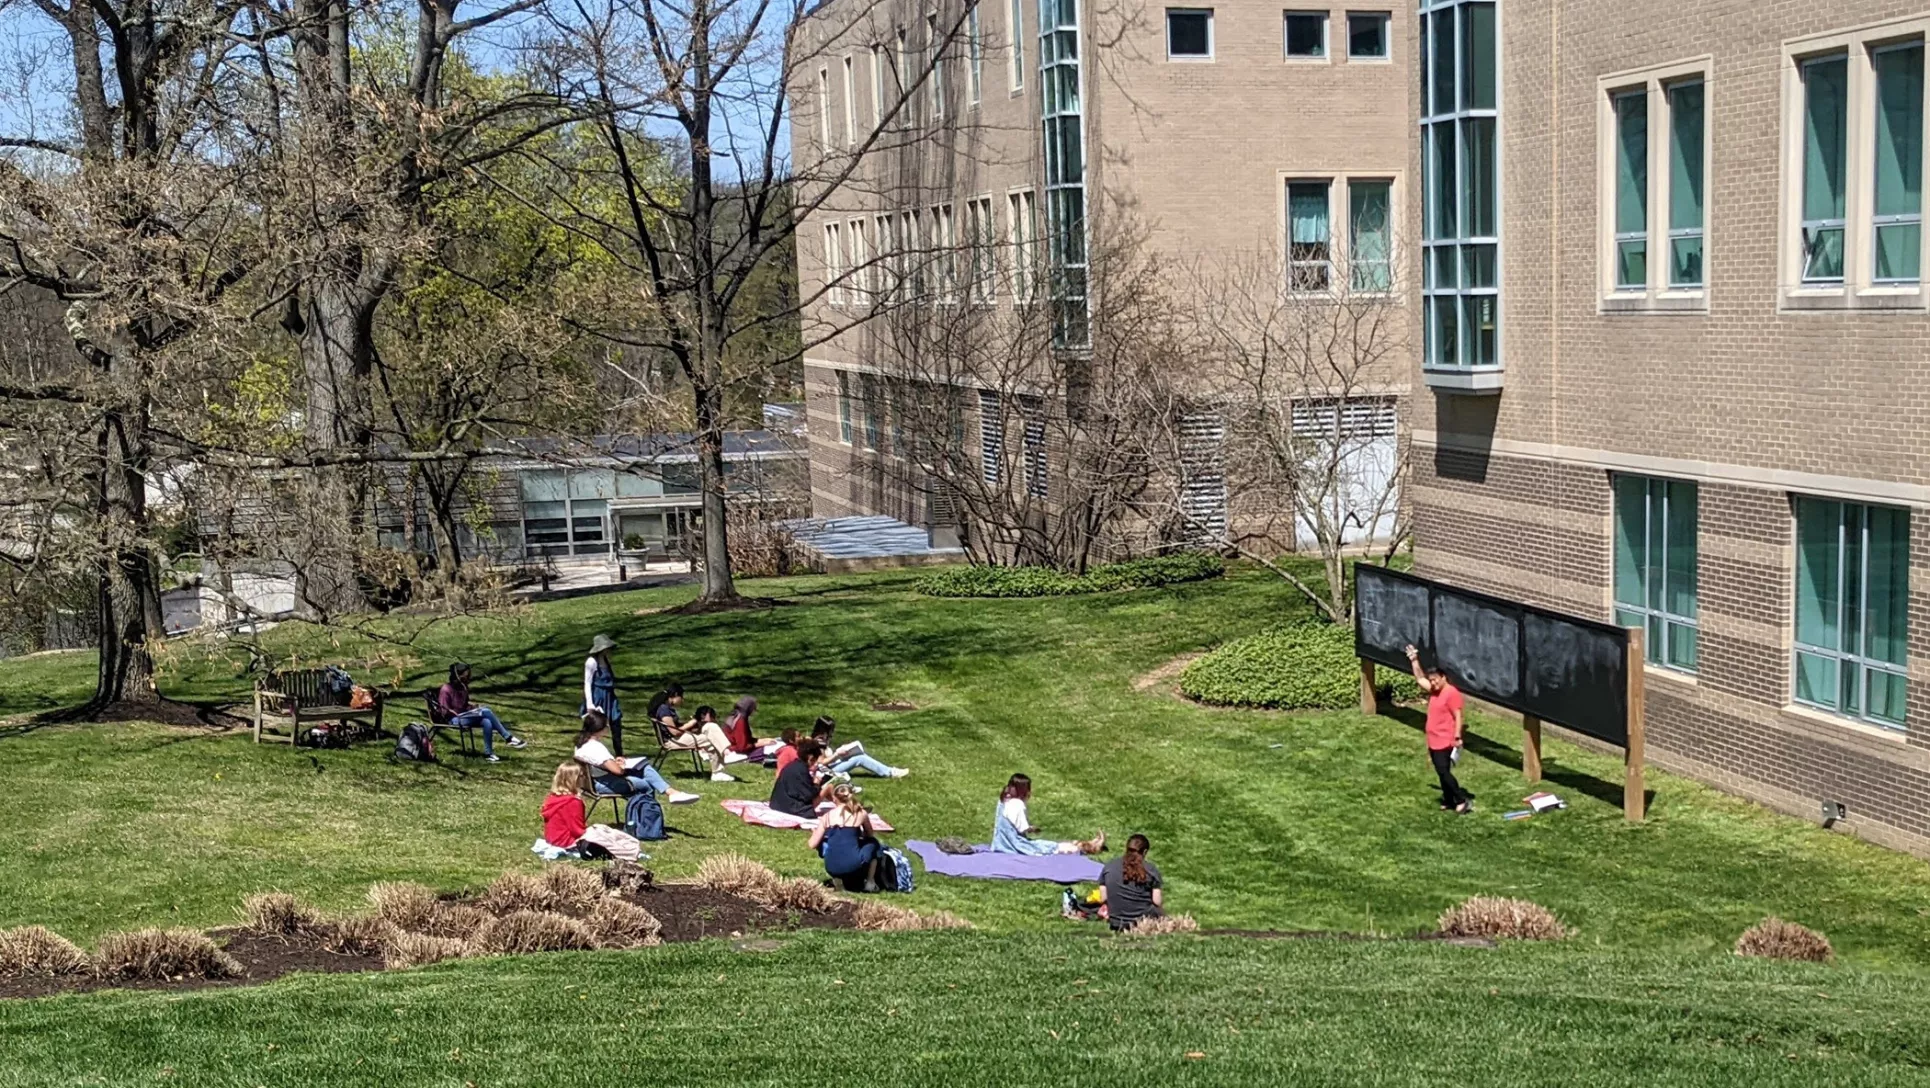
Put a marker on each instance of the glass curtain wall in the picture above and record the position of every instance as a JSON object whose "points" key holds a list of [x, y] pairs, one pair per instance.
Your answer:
{"points": [[1461, 230], [1065, 171]]}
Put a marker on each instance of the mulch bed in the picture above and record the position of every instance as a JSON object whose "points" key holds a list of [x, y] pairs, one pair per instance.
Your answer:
{"points": [[688, 913]]}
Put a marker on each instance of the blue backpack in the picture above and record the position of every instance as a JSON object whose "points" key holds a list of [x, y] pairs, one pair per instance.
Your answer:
{"points": [[894, 875], [643, 817]]}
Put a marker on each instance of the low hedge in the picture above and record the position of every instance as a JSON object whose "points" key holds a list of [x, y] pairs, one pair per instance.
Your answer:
{"points": [[1307, 666], [988, 581]]}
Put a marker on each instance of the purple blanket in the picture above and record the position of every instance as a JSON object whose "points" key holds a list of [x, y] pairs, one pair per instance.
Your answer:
{"points": [[1058, 868]]}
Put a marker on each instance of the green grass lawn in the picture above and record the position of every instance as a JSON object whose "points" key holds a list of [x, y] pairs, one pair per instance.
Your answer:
{"points": [[1029, 1009], [1259, 821]]}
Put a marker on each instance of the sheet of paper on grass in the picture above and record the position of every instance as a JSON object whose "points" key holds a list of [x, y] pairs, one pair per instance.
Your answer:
{"points": [[763, 815]]}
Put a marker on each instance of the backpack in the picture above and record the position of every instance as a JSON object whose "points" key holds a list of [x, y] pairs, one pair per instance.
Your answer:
{"points": [[643, 817], [415, 744], [894, 870], [337, 686]]}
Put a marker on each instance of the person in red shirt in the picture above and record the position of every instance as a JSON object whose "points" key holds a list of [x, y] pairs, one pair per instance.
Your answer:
{"points": [[564, 819], [1443, 731]]}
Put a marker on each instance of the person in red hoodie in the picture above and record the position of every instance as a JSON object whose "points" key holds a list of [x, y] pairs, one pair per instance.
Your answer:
{"points": [[564, 818]]}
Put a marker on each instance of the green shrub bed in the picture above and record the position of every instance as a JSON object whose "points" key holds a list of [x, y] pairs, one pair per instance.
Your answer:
{"points": [[986, 581], [1307, 666]]}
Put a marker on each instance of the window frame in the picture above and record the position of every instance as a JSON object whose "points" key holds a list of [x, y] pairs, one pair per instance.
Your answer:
{"points": [[1022, 206], [943, 243], [1656, 292], [1657, 504], [850, 103], [858, 263], [1627, 105], [1292, 264], [833, 261], [1386, 20], [1015, 71], [1450, 131], [981, 222], [1326, 54], [1211, 43], [1859, 288], [974, 58], [878, 67], [1859, 660], [846, 427], [1347, 182]]}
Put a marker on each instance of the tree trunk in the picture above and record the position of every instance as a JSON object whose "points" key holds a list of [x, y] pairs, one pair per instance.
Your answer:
{"points": [[720, 587], [129, 587], [336, 330]]}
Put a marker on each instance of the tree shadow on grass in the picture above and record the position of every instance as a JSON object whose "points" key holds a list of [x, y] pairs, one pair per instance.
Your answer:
{"points": [[1608, 793]]}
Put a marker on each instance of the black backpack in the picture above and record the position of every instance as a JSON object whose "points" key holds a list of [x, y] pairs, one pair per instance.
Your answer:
{"points": [[415, 743]]}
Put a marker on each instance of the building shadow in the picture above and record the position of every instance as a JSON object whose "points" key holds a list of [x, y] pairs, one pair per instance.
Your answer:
{"points": [[1464, 437]]}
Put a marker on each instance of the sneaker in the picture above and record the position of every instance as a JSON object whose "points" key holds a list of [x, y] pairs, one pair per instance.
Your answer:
{"points": [[722, 776], [518, 742], [492, 758], [735, 757], [898, 772], [679, 797]]}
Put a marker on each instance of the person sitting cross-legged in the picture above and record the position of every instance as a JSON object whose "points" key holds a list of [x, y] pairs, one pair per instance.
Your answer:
{"points": [[454, 708]]}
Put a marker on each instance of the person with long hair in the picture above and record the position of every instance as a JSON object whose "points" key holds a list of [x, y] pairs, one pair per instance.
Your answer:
{"points": [[1443, 731], [786, 750], [1131, 887], [843, 759], [617, 776], [1012, 830], [738, 730], [843, 838], [452, 707], [796, 791], [564, 818], [701, 733]]}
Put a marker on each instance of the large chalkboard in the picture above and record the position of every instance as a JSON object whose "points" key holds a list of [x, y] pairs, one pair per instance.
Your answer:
{"points": [[1562, 669]]}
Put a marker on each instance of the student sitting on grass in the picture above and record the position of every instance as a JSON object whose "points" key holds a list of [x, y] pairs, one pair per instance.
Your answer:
{"points": [[454, 708], [615, 776], [850, 757], [1130, 887], [566, 823], [1012, 826], [737, 729], [702, 734], [785, 752], [796, 791], [843, 838]]}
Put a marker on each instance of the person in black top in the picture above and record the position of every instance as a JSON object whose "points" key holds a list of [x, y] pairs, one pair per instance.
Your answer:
{"points": [[796, 791], [1131, 886]]}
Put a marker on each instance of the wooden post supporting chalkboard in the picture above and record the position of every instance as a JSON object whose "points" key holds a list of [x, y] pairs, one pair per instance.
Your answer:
{"points": [[1369, 701], [1634, 795], [1531, 747]]}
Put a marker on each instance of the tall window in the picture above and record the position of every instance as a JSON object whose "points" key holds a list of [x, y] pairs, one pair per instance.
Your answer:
{"points": [[1852, 609], [874, 408], [991, 437], [1655, 565], [824, 110], [1017, 35], [1306, 35], [1032, 412], [1686, 104], [844, 407], [878, 66], [1632, 190], [915, 253], [983, 242], [1367, 35], [975, 71], [885, 278], [1189, 33], [1826, 116], [937, 40], [1065, 171], [850, 105], [1023, 223], [858, 290], [833, 266], [1897, 223], [944, 246], [1460, 283], [1309, 236], [1370, 235]]}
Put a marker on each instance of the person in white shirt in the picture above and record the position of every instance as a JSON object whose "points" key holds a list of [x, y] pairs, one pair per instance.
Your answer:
{"points": [[613, 775], [1012, 826], [600, 689]]}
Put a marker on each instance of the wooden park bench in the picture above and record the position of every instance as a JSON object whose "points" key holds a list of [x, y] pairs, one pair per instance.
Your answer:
{"points": [[299, 696]]}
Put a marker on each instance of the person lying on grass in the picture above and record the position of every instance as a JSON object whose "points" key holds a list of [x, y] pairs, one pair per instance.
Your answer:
{"points": [[843, 839], [842, 760], [617, 776], [701, 733], [1443, 731], [738, 730], [454, 708], [1012, 826], [796, 791], [1130, 887]]}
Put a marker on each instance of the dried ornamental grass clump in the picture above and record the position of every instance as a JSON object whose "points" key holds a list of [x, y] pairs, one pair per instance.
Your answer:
{"points": [[627, 877], [735, 874], [513, 892], [1774, 939], [278, 914], [406, 906], [361, 935], [458, 920], [879, 917], [153, 955], [1497, 918], [1161, 925], [40, 952], [407, 950], [618, 924], [525, 931], [572, 888], [800, 893]]}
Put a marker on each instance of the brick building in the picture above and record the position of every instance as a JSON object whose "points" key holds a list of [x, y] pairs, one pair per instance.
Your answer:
{"points": [[1675, 343], [981, 162]]}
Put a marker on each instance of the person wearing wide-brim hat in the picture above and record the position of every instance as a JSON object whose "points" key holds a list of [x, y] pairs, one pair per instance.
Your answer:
{"points": [[600, 689]]}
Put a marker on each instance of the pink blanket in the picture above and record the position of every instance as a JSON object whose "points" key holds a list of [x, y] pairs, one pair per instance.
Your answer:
{"points": [[763, 815]]}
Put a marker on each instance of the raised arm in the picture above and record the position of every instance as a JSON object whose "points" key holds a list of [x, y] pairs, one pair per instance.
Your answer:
{"points": [[589, 683], [1414, 662]]}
